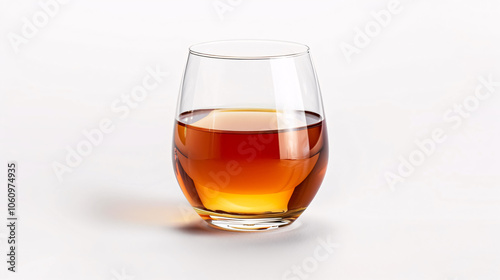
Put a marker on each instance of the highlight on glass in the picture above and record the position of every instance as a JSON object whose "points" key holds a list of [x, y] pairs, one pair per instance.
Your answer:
{"points": [[250, 145]]}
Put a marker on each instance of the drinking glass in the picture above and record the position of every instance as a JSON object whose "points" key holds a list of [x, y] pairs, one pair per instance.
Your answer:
{"points": [[250, 145]]}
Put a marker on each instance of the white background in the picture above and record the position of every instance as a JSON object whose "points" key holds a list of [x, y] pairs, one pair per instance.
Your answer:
{"points": [[120, 214]]}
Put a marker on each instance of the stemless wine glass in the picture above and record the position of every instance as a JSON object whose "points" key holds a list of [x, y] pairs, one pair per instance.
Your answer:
{"points": [[250, 143]]}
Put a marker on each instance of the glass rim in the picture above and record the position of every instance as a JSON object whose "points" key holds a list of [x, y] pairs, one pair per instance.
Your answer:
{"points": [[268, 49]]}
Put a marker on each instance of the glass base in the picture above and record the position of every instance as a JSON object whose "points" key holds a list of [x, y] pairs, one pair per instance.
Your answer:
{"points": [[248, 222]]}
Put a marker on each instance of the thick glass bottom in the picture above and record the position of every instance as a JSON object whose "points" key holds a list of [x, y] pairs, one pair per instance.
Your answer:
{"points": [[249, 222]]}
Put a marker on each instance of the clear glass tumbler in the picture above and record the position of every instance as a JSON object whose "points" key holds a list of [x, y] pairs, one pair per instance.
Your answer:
{"points": [[250, 145]]}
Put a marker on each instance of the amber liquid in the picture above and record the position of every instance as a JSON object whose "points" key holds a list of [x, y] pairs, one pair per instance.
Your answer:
{"points": [[250, 162]]}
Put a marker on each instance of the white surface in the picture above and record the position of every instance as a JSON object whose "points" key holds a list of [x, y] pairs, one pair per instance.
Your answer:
{"points": [[121, 213]]}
